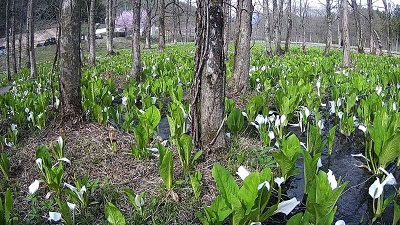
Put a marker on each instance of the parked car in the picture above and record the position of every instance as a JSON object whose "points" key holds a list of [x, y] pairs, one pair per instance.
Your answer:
{"points": [[3, 50], [99, 36], [50, 41]]}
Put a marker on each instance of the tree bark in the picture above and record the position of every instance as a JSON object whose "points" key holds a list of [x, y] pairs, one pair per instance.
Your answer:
{"points": [[136, 62], [241, 63], [278, 28], [31, 31], [8, 70], [110, 23], [267, 29], [21, 27], [328, 41], [378, 40], [161, 25], [387, 26], [275, 25], [13, 27], [92, 33], [372, 45], [346, 37], [147, 30], [356, 13], [208, 89], [188, 8], [70, 61], [227, 27], [289, 25], [303, 13]]}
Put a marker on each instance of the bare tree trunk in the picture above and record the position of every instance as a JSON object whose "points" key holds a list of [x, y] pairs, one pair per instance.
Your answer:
{"points": [[161, 25], [339, 18], [32, 58], [92, 33], [21, 23], [289, 25], [188, 8], [372, 45], [136, 62], [227, 27], [179, 26], [241, 64], [268, 48], [13, 27], [70, 61], [110, 22], [378, 40], [275, 25], [346, 37], [387, 26], [303, 12], [208, 90], [147, 29], [8, 40], [328, 41], [360, 46], [278, 29]]}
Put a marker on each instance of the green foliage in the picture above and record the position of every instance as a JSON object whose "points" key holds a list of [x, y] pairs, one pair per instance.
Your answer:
{"points": [[195, 181], [322, 199], [331, 138], [315, 144], [185, 148], [6, 209], [67, 215], [166, 166], [113, 215], [81, 193], [242, 205], [5, 165], [255, 106], [287, 156], [52, 174], [235, 121], [310, 169]]}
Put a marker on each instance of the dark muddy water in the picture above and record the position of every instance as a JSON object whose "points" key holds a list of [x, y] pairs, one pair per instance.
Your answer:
{"points": [[355, 204]]}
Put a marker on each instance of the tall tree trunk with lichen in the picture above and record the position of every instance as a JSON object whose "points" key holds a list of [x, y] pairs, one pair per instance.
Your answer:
{"points": [[208, 88], [289, 25], [92, 33], [70, 60], [303, 8], [136, 61], [188, 7], [346, 38], [372, 44], [13, 27], [328, 41], [268, 45], [110, 26], [356, 13], [227, 27], [147, 30], [241, 63], [161, 25], [278, 27], [387, 26], [8, 70], [32, 57]]}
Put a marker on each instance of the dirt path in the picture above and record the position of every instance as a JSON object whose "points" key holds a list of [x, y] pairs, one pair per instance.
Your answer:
{"points": [[4, 89]]}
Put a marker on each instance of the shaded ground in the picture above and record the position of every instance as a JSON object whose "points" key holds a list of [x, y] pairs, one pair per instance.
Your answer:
{"points": [[88, 148]]}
